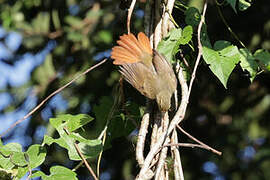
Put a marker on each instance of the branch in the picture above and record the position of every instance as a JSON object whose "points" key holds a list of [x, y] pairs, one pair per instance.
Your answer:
{"points": [[82, 157], [179, 116], [130, 10], [187, 145], [167, 16], [161, 162], [198, 141], [177, 167], [30, 173], [177, 119], [141, 138], [200, 49], [51, 95], [157, 36], [159, 174]]}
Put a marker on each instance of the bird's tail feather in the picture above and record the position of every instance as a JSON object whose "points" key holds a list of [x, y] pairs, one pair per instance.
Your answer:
{"points": [[131, 49]]}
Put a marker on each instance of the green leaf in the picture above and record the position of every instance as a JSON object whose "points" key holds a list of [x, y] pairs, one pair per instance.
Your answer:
{"points": [[48, 140], [18, 158], [222, 59], [94, 14], [57, 173], [90, 148], [20, 172], [15, 161], [248, 63], [75, 36], [193, 16], [33, 41], [232, 3], [243, 5], [5, 163], [169, 45], [14, 152], [74, 21], [264, 57], [101, 112], [45, 72], [72, 122], [186, 35], [10, 148], [117, 126], [104, 36], [120, 126], [36, 155], [204, 37], [41, 23]]}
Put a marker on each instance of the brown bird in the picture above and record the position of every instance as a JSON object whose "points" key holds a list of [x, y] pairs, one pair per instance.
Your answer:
{"points": [[145, 69]]}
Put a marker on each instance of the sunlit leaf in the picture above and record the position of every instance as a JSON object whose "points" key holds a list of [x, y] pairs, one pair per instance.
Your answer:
{"points": [[15, 154], [89, 148], [36, 155], [243, 5], [169, 45], [222, 59], [57, 173], [186, 35], [247, 62]]}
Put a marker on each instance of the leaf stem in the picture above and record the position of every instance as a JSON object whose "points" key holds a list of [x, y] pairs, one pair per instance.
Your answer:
{"points": [[228, 27]]}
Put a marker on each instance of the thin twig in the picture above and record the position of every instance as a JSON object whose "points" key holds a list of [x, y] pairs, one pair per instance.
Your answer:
{"points": [[100, 155], [190, 145], [130, 10], [185, 61], [82, 157], [228, 27], [200, 49], [172, 19], [168, 15], [30, 173], [117, 99], [51, 95], [78, 166], [198, 141]]}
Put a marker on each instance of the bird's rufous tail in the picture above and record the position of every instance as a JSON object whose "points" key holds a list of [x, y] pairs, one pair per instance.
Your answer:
{"points": [[131, 49]]}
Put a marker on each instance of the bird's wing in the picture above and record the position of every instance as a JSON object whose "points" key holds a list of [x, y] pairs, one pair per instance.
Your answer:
{"points": [[140, 77], [164, 71]]}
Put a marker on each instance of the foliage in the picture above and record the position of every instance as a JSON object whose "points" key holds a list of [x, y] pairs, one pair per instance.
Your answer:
{"points": [[82, 33], [222, 59]]}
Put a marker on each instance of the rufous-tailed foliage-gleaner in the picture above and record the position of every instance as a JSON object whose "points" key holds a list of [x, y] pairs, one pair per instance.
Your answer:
{"points": [[145, 69]]}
